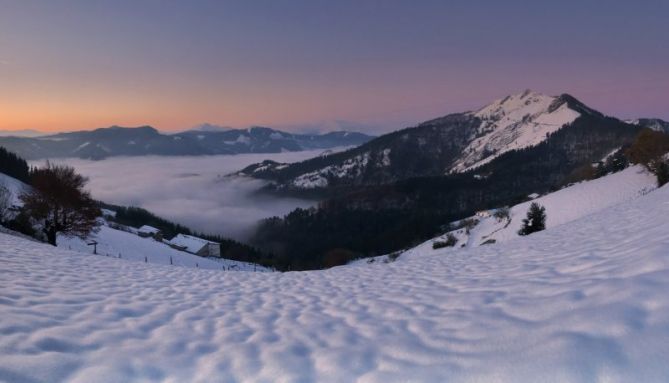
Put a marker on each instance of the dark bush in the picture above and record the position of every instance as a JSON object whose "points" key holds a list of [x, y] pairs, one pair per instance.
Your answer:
{"points": [[338, 257], [535, 221], [502, 213], [450, 241], [649, 150], [392, 257]]}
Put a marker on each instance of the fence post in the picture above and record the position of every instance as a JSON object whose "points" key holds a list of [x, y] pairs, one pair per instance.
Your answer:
{"points": [[170, 259], [146, 259]]}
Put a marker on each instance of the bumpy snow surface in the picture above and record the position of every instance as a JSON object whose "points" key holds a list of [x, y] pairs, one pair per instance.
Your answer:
{"points": [[581, 302]]}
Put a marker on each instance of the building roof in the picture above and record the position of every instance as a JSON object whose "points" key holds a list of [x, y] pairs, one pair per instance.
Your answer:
{"points": [[190, 243], [148, 229]]}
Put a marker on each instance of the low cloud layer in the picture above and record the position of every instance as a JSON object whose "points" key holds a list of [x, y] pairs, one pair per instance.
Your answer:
{"points": [[190, 190]]}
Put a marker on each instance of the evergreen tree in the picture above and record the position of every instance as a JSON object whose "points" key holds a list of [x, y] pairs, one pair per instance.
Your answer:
{"points": [[535, 221], [662, 173]]}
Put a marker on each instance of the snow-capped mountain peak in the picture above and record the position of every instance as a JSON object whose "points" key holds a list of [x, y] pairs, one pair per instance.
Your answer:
{"points": [[515, 122], [513, 105]]}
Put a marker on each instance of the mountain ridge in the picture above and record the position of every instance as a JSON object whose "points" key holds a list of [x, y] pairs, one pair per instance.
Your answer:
{"points": [[145, 140], [454, 143]]}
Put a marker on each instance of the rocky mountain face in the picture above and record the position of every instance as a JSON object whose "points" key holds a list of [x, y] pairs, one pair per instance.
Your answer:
{"points": [[456, 143], [145, 140]]}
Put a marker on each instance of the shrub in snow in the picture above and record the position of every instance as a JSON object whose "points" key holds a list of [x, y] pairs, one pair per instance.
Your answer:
{"points": [[649, 149], [392, 257], [450, 241], [662, 173], [582, 173], [21, 223], [535, 221], [502, 213], [338, 257], [468, 224]]}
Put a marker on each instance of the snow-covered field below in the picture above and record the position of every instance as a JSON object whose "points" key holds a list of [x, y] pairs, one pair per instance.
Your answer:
{"points": [[131, 247], [580, 302]]}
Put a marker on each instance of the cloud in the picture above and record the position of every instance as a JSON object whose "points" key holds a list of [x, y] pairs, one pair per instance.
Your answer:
{"points": [[191, 190]]}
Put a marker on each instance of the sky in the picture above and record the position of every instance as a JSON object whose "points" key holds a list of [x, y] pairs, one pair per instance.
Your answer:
{"points": [[305, 64]]}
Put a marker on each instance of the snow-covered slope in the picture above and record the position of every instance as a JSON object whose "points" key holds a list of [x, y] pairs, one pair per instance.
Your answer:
{"points": [[129, 246], [512, 123], [14, 186], [580, 302], [563, 206]]}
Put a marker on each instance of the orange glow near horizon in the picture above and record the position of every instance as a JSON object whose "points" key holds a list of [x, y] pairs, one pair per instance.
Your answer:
{"points": [[173, 65], [180, 107]]}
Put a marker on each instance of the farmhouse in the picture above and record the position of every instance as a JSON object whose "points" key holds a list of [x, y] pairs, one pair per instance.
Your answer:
{"points": [[195, 245], [483, 213], [150, 231]]}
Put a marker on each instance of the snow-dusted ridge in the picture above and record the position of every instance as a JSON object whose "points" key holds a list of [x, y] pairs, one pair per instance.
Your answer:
{"points": [[455, 143], [580, 302]]}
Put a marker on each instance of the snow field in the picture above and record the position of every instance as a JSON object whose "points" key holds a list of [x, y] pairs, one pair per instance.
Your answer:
{"points": [[580, 302]]}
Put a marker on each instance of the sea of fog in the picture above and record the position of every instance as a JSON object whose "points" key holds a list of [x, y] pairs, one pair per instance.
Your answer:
{"points": [[190, 190]]}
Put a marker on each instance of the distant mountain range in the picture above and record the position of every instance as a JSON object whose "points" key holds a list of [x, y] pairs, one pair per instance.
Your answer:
{"points": [[145, 140], [21, 133], [651, 123]]}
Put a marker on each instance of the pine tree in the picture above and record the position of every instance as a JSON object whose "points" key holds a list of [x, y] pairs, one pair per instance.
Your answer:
{"points": [[535, 221]]}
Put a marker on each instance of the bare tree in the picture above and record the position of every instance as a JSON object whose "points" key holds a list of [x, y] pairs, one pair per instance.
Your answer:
{"points": [[59, 203]]}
